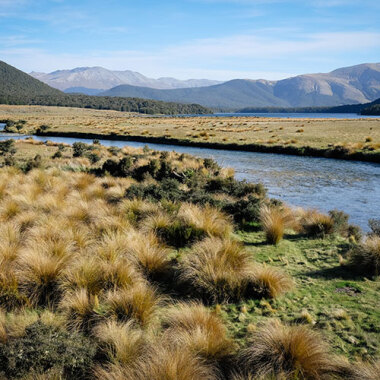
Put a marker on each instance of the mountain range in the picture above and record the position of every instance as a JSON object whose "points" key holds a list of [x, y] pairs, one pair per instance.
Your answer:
{"points": [[93, 80], [17, 87], [349, 85]]}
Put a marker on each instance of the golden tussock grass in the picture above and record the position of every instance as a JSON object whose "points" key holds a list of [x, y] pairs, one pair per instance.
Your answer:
{"points": [[206, 218], [80, 309], [270, 282], [200, 330], [314, 223], [148, 253], [39, 274], [365, 257], [123, 342], [274, 221], [139, 303], [219, 268], [162, 362], [363, 371], [291, 351]]}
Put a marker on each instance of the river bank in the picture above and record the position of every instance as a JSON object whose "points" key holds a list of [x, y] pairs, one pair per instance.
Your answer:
{"points": [[350, 139], [337, 152]]}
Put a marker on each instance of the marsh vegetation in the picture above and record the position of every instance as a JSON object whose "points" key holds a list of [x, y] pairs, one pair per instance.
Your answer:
{"points": [[137, 264]]}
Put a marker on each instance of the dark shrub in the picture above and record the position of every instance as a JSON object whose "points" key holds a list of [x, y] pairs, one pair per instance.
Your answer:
{"points": [[110, 166], [7, 146], [244, 210], [374, 225], [32, 163], [124, 166], [114, 150], [179, 234], [165, 170], [135, 191], [93, 157], [79, 149], [57, 154], [45, 347], [341, 226], [209, 163]]}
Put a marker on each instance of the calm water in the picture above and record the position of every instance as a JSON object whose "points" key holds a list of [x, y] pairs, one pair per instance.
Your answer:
{"points": [[351, 186], [292, 115]]}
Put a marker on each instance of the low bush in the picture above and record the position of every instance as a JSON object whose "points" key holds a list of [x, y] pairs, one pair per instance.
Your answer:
{"points": [[316, 224], [365, 257], [43, 348], [374, 225]]}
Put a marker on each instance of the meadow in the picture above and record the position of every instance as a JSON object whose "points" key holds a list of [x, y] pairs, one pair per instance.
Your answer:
{"points": [[339, 138], [137, 264]]}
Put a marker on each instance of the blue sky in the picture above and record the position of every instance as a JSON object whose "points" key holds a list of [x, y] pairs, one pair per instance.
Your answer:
{"points": [[216, 39]]}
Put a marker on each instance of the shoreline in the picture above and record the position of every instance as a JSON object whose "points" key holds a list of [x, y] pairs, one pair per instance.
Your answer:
{"points": [[335, 153]]}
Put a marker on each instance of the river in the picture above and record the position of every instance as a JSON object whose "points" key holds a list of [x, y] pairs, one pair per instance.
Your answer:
{"points": [[325, 184]]}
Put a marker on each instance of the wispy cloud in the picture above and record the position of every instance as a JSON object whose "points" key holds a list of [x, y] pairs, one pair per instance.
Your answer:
{"points": [[205, 57]]}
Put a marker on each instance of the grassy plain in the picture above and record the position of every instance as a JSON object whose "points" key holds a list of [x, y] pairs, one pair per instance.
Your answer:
{"points": [[345, 136], [134, 264]]}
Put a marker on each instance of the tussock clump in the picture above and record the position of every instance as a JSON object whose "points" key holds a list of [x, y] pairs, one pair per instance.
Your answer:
{"points": [[136, 210], [195, 327], [270, 282], [139, 303], [81, 309], [120, 273], [86, 272], [122, 342], [293, 351], [162, 362], [274, 221], [316, 224], [150, 255], [39, 275], [364, 371], [219, 269], [191, 223], [365, 257]]}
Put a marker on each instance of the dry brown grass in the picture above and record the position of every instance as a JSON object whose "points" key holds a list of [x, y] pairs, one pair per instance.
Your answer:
{"points": [[139, 303], [148, 253], [218, 268], [294, 351], [80, 309], [365, 257], [274, 221], [270, 282], [314, 223], [162, 362], [319, 133], [123, 343], [206, 218], [195, 327]]}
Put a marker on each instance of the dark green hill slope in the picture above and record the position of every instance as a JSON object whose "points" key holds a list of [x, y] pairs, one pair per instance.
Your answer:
{"points": [[14, 82], [16, 87]]}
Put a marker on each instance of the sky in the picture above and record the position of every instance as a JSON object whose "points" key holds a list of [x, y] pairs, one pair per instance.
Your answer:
{"points": [[214, 39]]}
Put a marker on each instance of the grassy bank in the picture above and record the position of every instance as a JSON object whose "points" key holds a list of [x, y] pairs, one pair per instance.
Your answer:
{"points": [[357, 139], [136, 264]]}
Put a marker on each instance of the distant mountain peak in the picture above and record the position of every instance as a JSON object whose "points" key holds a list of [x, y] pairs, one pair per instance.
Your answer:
{"points": [[99, 78]]}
